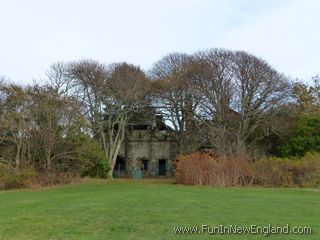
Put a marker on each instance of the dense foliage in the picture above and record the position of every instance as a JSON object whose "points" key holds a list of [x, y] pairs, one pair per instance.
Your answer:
{"points": [[306, 137], [305, 121]]}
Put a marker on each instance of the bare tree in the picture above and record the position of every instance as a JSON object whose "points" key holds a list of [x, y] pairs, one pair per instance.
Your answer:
{"points": [[43, 126], [110, 95], [262, 93], [242, 95], [126, 92], [214, 82], [88, 80], [15, 122], [56, 117], [174, 95], [307, 97], [59, 77]]}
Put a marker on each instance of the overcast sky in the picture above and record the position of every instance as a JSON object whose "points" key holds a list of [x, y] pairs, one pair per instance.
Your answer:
{"points": [[36, 33]]}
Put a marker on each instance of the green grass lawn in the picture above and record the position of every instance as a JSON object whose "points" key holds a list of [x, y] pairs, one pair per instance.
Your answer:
{"points": [[149, 209]]}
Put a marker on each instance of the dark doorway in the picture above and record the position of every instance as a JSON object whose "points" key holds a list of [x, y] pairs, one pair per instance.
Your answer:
{"points": [[145, 165], [120, 167], [162, 167]]}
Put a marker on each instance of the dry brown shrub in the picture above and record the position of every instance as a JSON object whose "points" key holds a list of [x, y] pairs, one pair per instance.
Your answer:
{"points": [[303, 172], [201, 168], [52, 178], [12, 178]]}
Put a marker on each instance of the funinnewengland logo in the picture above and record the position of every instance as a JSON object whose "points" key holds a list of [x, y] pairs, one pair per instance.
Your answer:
{"points": [[236, 229]]}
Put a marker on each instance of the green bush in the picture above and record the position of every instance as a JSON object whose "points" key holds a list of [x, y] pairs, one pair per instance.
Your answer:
{"points": [[105, 167], [305, 139], [90, 158], [99, 170]]}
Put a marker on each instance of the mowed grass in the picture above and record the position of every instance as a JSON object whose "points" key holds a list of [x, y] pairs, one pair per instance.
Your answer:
{"points": [[149, 209]]}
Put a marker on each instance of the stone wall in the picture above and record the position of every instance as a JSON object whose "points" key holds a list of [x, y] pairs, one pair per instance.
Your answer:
{"points": [[151, 148]]}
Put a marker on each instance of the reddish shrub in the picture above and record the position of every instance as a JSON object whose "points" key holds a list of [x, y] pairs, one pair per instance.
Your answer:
{"points": [[212, 169]]}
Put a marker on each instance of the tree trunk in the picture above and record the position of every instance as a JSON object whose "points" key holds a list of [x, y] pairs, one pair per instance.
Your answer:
{"points": [[17, 159], [240, 146], [48, 159], [110, 173]]}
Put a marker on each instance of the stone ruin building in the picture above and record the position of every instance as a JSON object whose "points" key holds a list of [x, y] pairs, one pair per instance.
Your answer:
{"points": [[148, 147]]}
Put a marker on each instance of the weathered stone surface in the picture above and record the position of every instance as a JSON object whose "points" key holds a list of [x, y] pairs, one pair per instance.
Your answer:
{"points": [[149, 149]]}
